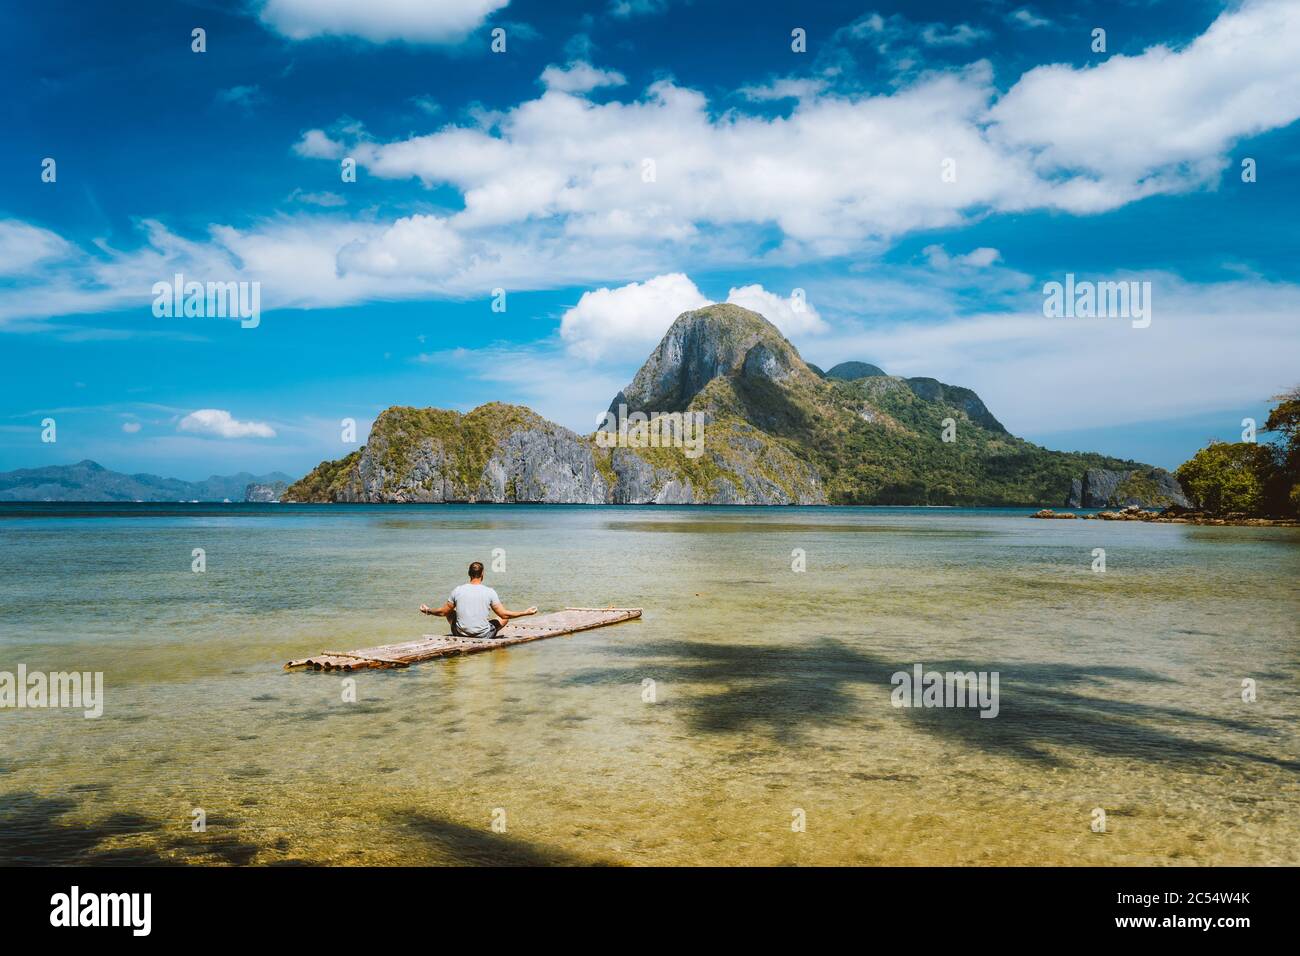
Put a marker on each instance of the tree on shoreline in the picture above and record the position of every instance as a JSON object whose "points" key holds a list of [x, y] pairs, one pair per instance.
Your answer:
{"points": [[1227, 477], [1246, 477], [1285, 420]]}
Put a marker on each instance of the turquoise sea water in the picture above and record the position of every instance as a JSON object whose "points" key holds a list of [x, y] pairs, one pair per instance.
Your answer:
{"points": [[771, 688]]}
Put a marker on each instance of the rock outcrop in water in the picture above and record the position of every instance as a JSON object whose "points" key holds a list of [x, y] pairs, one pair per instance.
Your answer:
{"points": [[1175, 514], [776, 431], [1145, 488]]}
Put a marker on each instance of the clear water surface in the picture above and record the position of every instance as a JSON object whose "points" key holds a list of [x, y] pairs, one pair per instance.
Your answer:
{"points": [[1119, 690]]}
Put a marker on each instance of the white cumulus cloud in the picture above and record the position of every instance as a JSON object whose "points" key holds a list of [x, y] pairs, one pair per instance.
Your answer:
{"points": [[1161, 121], [415, 21], [629, 320], [317, 144], [793, 315], [843, 170], [580, 77], [218, 423], [1027, 19], [980, 258], [413, 246], [556, 191]]}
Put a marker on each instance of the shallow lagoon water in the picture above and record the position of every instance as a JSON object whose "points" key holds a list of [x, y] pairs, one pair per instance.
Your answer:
{"points": [[772, 688]]}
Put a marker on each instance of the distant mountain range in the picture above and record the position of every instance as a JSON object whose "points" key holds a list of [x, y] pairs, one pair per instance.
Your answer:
{"points": [[89, 481], [778, 431]]}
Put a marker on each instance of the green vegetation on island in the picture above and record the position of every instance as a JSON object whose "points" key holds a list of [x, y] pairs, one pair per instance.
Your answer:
{"points": [[778, 432], [1259, 479]]}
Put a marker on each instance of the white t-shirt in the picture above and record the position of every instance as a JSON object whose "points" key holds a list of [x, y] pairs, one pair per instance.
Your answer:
{"points": [[474, 608]]}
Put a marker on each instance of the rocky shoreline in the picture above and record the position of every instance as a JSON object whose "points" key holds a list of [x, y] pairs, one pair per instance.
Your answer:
{"points": [[1173, 515]]}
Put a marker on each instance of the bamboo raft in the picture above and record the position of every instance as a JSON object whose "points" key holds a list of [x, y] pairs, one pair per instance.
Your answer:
{"points": [[569, 621]]}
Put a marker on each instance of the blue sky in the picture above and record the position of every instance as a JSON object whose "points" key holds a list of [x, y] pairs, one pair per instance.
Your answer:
{"points": [[774, 171]]}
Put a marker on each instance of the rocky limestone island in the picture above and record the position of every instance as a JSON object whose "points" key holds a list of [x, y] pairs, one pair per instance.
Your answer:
{"points": [[266, 494], [777, 432]]}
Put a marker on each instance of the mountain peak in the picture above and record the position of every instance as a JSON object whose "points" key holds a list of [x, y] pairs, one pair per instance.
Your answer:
{"points": [[778, 433], [728, 314], [851, 371], [701, 345]]}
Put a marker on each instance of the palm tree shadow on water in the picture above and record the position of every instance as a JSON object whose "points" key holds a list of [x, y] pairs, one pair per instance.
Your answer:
{"points": [[461, 845], [1045, 709], [37, 830]]}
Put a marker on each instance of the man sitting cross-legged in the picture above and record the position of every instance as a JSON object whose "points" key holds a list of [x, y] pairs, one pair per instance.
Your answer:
{"points": [[467, 610]]}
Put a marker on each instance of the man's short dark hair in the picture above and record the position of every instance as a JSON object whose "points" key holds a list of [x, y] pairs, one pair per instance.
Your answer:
{"points": [[476, 569]]}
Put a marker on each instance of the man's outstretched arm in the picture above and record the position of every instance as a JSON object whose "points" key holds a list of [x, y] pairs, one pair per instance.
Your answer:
{"points": [[499, 610], [438, 611]]}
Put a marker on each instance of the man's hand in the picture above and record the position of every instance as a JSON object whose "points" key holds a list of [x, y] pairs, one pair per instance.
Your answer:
{"points": [[425, 609], [435, 611], [499, 610]]}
